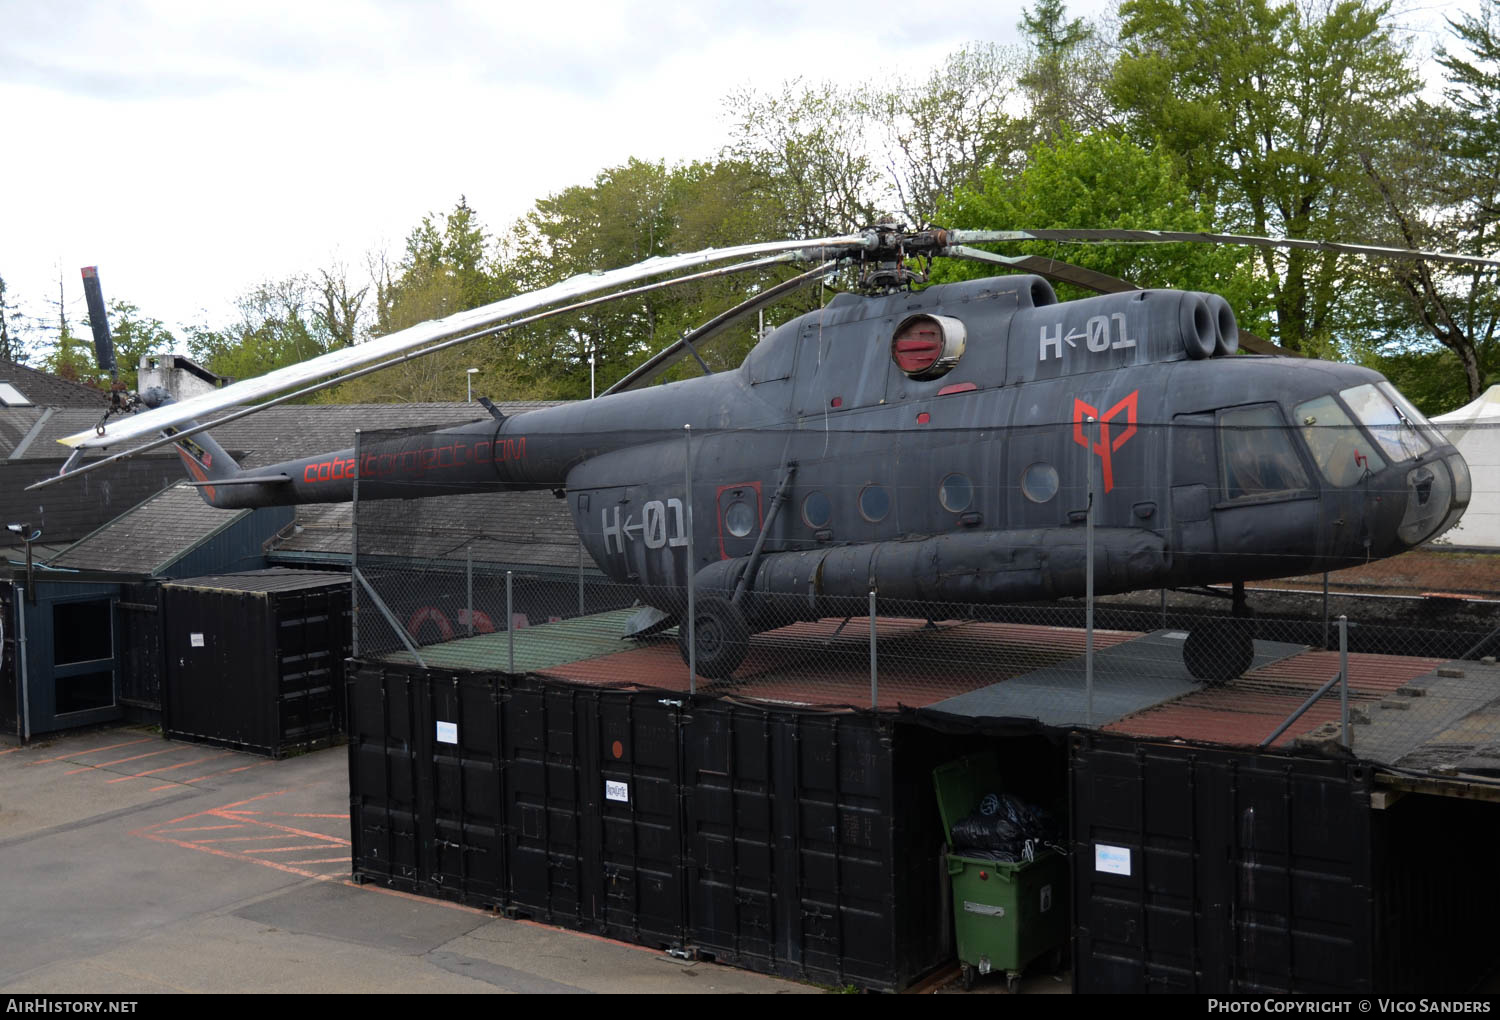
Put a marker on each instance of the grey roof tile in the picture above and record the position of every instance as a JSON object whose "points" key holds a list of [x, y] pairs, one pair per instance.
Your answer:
{"points": [[153, 533], [45, 390]]}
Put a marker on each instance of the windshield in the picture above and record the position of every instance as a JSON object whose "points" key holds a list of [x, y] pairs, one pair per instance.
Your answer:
{"points": [[1343, 453], [1390, 419]]}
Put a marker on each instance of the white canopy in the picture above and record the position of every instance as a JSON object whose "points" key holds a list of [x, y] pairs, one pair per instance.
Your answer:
{"points": [[1475, 430]]}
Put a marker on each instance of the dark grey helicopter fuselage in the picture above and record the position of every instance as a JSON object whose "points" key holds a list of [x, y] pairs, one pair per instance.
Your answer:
{"points": [[972, 485]]}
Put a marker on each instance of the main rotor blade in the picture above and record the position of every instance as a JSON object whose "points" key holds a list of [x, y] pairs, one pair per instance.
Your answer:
{"points": [[1090, 279], [425, 333], [1195, 237], [179, 434], [668, 356]]}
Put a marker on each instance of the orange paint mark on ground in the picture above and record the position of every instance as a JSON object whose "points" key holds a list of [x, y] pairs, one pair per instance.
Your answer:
{"points": [[304, 832], [219, 811], [298, 814], [119, 761], [92, 750], [207, 828], [287, 849], [323, 860], [169, 768], [157, 837], [210, 775], [238, 839]]}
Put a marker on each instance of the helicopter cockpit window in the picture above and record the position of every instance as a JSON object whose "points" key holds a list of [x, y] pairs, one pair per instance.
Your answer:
{"points": [[1343, 453], [1258, 455], [1391, 420]]}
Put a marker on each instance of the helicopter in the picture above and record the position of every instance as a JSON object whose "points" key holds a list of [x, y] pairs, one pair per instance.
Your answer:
{"points": [[963, 443]]}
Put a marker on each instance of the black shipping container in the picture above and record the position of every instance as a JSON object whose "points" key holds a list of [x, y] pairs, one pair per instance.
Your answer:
{"points": [[1214, 871], [255, 661], [779, 840]]}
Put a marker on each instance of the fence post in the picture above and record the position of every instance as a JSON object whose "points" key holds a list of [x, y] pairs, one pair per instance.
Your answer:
{"points": [[692, 634], [510, 621], [580, 577], [354, 554], [1344, 679], [469, 584], [1088, 569], [874, 672]]}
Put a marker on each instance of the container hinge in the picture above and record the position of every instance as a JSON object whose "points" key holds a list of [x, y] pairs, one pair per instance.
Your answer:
{"points": [[669, 702]]}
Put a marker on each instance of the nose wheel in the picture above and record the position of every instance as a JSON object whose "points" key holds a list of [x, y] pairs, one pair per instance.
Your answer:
{"points": [[721, 634]]}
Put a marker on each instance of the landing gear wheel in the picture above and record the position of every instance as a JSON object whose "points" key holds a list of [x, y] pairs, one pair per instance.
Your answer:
{"points": [[1219, 651], [722, 636], [966, 977]]}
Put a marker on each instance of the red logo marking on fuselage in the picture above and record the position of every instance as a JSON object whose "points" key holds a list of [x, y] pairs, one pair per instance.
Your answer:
{"points": [[1107, 443], [416, 463]]}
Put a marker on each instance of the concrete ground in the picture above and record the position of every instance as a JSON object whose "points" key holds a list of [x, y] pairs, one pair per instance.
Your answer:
{"points": [[133, 864]]}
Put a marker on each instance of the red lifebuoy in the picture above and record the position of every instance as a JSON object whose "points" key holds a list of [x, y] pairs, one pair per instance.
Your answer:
{"points": [[433, 615], [482, 622]]}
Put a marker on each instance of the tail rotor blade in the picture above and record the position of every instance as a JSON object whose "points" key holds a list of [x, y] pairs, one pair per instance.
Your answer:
{"points": [[104, 344]]}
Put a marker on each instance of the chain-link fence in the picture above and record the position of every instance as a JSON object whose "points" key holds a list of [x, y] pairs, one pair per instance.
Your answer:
{"points": [[1237, 568]]}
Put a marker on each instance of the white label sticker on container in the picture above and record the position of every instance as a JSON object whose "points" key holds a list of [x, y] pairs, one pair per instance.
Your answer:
{"points": [[447, 732], [1113, 859], [616, 791], [196, 640]]}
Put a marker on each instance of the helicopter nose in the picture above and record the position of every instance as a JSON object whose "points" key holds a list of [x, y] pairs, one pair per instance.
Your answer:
{"points": [[1437, 493]]}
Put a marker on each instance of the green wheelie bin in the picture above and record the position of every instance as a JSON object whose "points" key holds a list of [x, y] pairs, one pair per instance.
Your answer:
{"points": [[1005, 914]]}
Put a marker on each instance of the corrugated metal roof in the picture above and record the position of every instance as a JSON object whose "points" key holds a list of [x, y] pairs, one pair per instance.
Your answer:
{"points": [[44, 390], [146, 538], [1245, 711], [530, 528], [272, 579]]}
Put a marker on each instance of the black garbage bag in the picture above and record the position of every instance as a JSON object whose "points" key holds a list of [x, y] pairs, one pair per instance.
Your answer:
{"points": [[1001, 829]]}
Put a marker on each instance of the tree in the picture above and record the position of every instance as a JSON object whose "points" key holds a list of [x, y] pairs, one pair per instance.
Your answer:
{"points": [[807, 147], [68, 357], [338, 309], [135, 336], [276, 327], [1268, 107], [1066, 72], [1108, 182], [1443, 191], [940, 132], [12, 346]]}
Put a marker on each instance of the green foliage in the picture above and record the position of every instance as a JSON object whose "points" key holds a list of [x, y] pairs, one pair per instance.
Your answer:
{"points": [[12, 344], [276, 327], [1108, 182], [136, 335], [1269, 107]]}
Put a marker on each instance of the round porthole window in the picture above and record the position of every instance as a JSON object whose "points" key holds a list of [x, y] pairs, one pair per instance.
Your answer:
{"points": [[874, 503], [956, 493], [1039, 482], [817, 511], [739, 519]]}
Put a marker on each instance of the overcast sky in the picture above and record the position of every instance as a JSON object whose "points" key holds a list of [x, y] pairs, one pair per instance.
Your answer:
{"points": [[193, 149]]}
